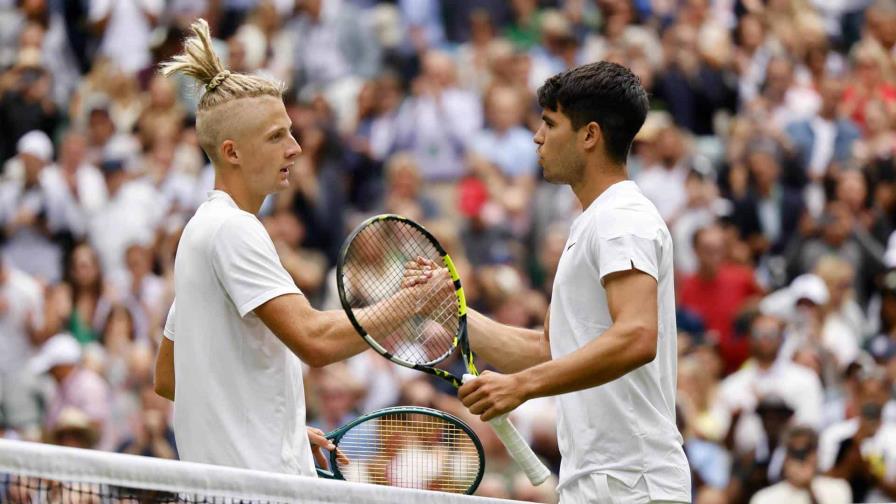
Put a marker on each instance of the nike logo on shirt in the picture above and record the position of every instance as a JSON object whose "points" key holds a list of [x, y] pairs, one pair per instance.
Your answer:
{"points": [[570, 245]]}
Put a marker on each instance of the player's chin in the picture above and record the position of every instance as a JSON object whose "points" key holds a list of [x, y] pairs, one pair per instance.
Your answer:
{"points": [[551, 176], [282, 181]]}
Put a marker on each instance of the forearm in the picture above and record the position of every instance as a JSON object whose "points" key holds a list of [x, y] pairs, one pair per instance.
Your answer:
{"points": [[330, 338], [509, 349], [616, 352]]}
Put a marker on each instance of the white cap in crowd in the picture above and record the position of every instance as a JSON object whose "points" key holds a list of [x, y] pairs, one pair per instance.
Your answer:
{"points": [[37, 144], [782, 303], [811, 287], [61, 349]]}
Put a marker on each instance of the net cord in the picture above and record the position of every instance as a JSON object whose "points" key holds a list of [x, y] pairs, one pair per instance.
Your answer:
{"points": [[90, 466]]}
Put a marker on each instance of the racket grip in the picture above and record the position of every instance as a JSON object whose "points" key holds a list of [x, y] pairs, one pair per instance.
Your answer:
{"points": [[517, 447], [519, 450]]}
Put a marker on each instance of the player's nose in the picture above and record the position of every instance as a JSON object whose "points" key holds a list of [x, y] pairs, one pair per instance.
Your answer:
{"points": [[294, 149]]}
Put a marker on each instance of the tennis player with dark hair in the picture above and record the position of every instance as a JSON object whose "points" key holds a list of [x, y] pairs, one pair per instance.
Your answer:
{"points": [[608, 349], [239, 321]]}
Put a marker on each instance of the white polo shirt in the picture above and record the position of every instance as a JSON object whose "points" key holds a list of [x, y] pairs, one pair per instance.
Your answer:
{"points": [[239, 399], [625, 428]]}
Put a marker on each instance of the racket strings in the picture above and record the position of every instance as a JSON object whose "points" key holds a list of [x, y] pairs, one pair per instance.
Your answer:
{"points": [[411, 450], [374, 270]]}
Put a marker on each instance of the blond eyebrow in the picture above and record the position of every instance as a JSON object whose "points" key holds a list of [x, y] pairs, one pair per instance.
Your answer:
{"points": [[278, 129]]}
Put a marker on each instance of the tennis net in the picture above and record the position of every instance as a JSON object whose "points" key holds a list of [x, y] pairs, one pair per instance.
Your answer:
{"points": [[39, 473]]}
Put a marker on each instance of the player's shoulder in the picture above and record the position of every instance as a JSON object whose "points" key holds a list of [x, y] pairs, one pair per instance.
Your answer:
{"points": [[214, 222], [625, 210], [237, 225]]}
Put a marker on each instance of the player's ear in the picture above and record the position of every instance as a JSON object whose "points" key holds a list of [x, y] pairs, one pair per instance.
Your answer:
{"points": [[592, 136], [228, 152]]}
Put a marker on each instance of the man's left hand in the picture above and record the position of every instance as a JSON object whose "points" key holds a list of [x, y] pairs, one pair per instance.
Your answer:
{"points": [[492, 394], [318, 440]]}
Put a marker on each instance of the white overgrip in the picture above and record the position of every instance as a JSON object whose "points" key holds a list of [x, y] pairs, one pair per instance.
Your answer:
{"points": [[517, 447]]}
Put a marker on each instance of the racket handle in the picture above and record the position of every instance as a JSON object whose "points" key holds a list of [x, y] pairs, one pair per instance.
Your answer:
{"points": [[517, 447]]}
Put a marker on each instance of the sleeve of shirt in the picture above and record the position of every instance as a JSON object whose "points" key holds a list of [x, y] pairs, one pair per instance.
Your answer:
{"points": [[625, 251], [247, 264], [169, 323]]}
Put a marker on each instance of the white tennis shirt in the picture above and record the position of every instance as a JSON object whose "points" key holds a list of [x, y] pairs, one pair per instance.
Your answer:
{"points": [[239, 399], [625, 428]]}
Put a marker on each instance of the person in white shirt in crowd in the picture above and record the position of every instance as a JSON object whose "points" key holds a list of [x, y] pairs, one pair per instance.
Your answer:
{"points": [[802, 482], [333, 52], [767, 373], [608, 349], [844, 325], [21, 317], [664, 182], [132, 213], [141, 290], [35, 210], [239, 329], [83, 179], [126, 29]]}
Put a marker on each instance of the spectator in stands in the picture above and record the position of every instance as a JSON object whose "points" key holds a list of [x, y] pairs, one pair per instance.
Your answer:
{"points": [[768, 213], [768, 375], [844, 326], [25, 102], [35, 212], [862, 449], [21, 317], [434, 123], [718, 291], [825, 138], [334, 51], [802, 482], [131, 213], [664, 181], [505, 142], [404, 193], [836, 236], [75, 385], [760, 466], [74, 429], [126, 28], [83, 181], [153, 436]]}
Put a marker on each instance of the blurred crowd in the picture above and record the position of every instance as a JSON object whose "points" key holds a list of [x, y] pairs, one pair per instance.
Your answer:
{"points": [[769, 150]]}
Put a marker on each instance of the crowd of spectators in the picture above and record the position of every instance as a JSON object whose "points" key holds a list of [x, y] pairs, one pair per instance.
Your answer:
{"points": [[770, 150]]}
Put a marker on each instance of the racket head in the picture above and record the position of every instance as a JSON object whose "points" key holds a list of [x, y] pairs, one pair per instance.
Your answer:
{"points": [[371, 267], [411, 447]]}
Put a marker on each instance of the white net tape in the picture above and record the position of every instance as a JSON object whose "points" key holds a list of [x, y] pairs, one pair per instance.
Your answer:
{"points": [[33, 472]]}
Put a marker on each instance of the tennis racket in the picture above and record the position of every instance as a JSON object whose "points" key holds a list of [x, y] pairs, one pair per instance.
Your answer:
{"points": [[409, 447], [371, 270]]}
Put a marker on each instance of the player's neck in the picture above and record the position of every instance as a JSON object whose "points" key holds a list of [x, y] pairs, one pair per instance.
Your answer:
{"points": [[244, 199], [596, 180]]}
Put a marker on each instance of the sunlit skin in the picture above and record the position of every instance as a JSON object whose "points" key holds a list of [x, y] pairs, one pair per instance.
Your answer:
{"points": [[255, 159]]}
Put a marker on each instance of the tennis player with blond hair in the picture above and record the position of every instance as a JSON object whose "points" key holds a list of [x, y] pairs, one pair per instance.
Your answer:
{"points": [[239, 325]]}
